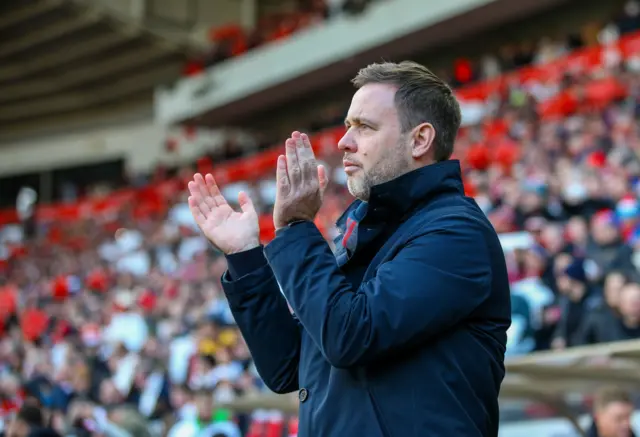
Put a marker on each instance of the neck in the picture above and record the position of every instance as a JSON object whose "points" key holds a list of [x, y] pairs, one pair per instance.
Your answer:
{"points": [[631, 321], [576, 295]]}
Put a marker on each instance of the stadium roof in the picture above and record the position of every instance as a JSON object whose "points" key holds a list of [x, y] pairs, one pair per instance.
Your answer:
{"points": [[64, 63]]}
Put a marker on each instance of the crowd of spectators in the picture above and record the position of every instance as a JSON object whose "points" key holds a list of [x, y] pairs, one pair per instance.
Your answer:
{"points": [[232, 40], [531, 52], [116, 325]]}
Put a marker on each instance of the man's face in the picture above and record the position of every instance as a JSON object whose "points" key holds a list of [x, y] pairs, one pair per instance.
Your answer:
{"points": [[604, 233], [178, 397], [614, 420], [204, 405], [629, 303], [375, 151], [612, 286], [578, 230], [18, 428]]}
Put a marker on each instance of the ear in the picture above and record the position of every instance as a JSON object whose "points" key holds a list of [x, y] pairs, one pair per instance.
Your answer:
{"points": [[423, 139]]}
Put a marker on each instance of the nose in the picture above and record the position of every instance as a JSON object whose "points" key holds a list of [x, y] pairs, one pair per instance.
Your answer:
{"points": [[347, 142]]}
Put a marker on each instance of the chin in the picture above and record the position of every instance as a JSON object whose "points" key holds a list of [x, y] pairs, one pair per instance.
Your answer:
{"points": [[358, 191]]}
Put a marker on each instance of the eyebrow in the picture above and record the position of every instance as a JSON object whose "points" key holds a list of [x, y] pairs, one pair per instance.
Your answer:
{"points": [[358, 120]]}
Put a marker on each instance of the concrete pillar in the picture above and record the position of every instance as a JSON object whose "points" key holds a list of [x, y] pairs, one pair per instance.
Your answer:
{"points": [[248, 13]]}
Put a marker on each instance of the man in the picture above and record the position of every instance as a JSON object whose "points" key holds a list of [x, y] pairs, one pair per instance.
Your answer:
{"points": [[402, 331], [26, 419], [44, 432], [204, 423], [612, 410]]}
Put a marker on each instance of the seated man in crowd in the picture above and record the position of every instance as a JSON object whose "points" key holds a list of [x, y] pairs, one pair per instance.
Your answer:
{"points": [[612, 411]]}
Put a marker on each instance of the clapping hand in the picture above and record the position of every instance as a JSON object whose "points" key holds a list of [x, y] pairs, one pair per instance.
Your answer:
{"points": [[300, 182], [228, 230]]}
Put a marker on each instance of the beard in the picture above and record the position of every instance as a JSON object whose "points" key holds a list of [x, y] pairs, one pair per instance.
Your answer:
{"points": [[392, 164]]}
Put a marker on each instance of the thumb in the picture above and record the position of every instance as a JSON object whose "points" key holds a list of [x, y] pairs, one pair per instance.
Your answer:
{"points": [[246, 205], [323, 179]]}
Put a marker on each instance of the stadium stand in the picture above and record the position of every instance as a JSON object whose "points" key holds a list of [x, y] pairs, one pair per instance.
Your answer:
{"points": [[550, 150], [232, 40]]}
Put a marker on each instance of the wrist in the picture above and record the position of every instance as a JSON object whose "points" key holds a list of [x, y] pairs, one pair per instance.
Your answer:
{"points": [[240, 264], [249, 246], [291, 223]]}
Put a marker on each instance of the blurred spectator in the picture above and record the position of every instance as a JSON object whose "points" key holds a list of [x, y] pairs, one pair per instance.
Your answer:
{"points": [[612, 409], [43, 432], [617, 323], [629, 20], [204, 421], [28, 419], [577, 299]]}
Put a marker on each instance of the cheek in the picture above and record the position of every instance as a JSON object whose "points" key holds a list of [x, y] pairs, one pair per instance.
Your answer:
{"points": [[370, 150], [373, 148]]}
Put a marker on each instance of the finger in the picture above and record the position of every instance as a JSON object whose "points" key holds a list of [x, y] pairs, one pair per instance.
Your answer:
{"points": [[214, 191], [197, 214], [204, 191], [246, 204], [322, 178], [193, 188], [305, 148], [198, 199], [307, 160], [282, 176], [293, 166], [306, 142]]}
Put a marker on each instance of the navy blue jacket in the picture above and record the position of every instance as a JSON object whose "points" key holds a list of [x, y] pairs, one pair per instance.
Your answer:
{"points": [[407, 338]]}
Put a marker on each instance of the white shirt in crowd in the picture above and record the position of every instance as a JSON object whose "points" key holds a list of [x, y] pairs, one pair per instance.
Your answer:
{"points": [[190, 428]]}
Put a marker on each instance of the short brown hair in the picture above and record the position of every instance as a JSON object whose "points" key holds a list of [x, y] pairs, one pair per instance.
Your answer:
{"points": [[608, 395], [422, 97]]}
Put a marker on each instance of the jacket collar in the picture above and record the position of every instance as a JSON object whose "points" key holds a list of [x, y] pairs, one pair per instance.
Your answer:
{"points": [[394, 199]]}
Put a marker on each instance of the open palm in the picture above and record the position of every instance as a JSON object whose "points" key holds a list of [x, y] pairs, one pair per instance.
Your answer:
{"points": [[230, 231]]}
